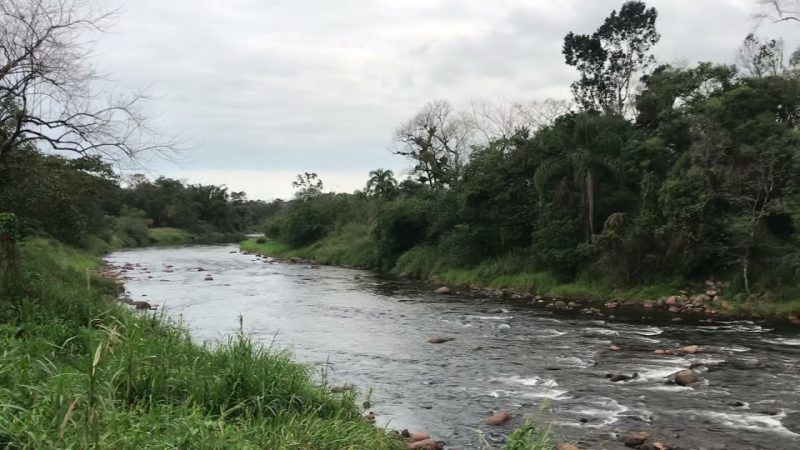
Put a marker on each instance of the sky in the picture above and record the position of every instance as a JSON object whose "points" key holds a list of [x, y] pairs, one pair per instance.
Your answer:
{"points": [[261, 90]]}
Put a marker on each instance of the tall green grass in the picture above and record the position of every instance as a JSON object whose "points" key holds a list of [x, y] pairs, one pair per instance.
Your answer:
{"points": [[77, 371]]}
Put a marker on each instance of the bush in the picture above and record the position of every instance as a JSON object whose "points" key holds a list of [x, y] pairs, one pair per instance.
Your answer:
{"points": [[402, 225]]}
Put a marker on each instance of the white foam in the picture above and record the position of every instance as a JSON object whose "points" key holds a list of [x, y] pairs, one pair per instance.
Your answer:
{"points": [[783, 341], [603, 331], [607, 409], [649, 331], [747, 421]]}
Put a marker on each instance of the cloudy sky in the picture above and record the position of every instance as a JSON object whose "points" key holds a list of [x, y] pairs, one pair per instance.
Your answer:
{"points": [[264, 89]]}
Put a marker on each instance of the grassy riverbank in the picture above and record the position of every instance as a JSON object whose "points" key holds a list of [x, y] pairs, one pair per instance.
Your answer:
{"points": [[78, 371], [502, 273]]}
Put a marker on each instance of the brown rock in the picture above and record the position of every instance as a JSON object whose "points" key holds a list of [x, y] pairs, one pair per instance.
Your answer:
{"points": [[654, 446], [671, 300], [794, 319], [427, 444], [615, 348], [659, 352], [611, 305], [566, 447], [614, 378], [636, 439], [674, 309], [415, 436], [648, 304], [439, 339], [685, 378], [370, 417], [691, 349], [444, 290], [498, 419], [343, 388]]}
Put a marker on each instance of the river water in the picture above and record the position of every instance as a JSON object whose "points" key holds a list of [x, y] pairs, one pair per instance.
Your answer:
{"points": [[372, 331]]}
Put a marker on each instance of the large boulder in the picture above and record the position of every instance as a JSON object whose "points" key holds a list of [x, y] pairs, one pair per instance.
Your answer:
{"points": [[685, 378]]}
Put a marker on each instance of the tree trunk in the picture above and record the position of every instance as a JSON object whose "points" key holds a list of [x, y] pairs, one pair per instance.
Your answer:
{"points": [[590, 205]]}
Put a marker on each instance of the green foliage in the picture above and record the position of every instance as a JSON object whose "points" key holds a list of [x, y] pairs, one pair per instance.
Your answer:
{"points": [[99, 376], [400, 226]]}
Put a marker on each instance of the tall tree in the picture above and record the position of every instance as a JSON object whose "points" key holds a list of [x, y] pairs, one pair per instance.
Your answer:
{"points": [[609, 59], [381, 183]]}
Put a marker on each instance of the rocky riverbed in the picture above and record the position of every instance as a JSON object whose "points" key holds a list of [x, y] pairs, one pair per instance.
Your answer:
{"points": [[599, 379]]}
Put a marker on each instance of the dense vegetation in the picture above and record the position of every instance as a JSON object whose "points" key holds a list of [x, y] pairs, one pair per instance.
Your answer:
{"points": [[80, 372], [82, 202], [660, 175]]}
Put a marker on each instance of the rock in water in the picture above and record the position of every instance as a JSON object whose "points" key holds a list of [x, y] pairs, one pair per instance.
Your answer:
{"points": [[415, 436], [614, 378], [444, 290], [439, 339], [498, 419], [636, 439], [427, 444], [685, 378], [566, 447], [691, 349]]}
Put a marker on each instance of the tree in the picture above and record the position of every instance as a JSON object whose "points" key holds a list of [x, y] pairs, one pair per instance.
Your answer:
{"points": [[308, 186], [381, 183], [781, 10], [436, 141], [761, 59], [609, 59], [51, 96]]}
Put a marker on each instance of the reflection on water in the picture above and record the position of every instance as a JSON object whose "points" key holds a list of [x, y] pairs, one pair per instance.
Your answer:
{"points": [[372, 331]]}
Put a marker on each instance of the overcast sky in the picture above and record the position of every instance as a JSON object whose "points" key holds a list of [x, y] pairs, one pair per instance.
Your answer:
{"points": [[264, 89]]}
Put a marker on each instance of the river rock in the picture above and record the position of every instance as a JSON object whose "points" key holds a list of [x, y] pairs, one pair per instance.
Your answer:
{"points": [[427, 444], [208, 278], [611, 305], [370, 417], [794, 319], [674, 309], [615, 348], [636, 439], [439, 339], [685, 378], [444, 290], [415, 436], [617, 377], [671, 300], [691, 349], [498, 419], [494, 311], [343, 388], [559, 304], [142, 305], [648, 305], [566, 447], [653, 446]]}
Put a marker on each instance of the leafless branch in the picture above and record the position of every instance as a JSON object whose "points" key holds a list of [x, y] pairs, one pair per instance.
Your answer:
{"points": [[52, 98]]}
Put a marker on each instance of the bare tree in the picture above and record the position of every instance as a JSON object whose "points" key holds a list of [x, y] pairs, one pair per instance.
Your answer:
{"points": [[781, 10], [761, 59], [51, 97], [501, 121], [437, 140]]}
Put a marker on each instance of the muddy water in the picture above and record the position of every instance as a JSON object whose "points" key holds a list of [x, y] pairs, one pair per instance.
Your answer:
{"points": [[372, 331]]}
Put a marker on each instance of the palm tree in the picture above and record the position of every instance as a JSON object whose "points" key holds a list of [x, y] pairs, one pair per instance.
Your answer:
{"points": [[593, 155], [381, 183]]}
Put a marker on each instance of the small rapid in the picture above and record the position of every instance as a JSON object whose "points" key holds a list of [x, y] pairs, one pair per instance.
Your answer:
{"points": [[372, 331]]}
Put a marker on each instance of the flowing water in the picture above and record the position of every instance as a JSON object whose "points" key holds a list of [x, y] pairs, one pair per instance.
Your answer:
{"points": [[372, 331]]}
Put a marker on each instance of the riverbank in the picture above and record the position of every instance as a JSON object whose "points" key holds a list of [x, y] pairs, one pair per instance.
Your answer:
{"points": [[99, 375], [499, 278]]}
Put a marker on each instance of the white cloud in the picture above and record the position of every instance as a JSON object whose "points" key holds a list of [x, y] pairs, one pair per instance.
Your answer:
{"points": [[287, 86]]}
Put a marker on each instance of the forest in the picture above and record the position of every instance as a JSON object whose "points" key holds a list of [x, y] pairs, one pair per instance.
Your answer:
{"points": [[652, 174]]}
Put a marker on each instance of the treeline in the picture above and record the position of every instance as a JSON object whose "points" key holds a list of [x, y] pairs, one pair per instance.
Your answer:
{"points": [[656, 173], [83, 202]]}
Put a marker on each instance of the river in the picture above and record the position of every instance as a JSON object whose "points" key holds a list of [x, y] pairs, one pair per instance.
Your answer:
{"points": [[371, 331]]}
